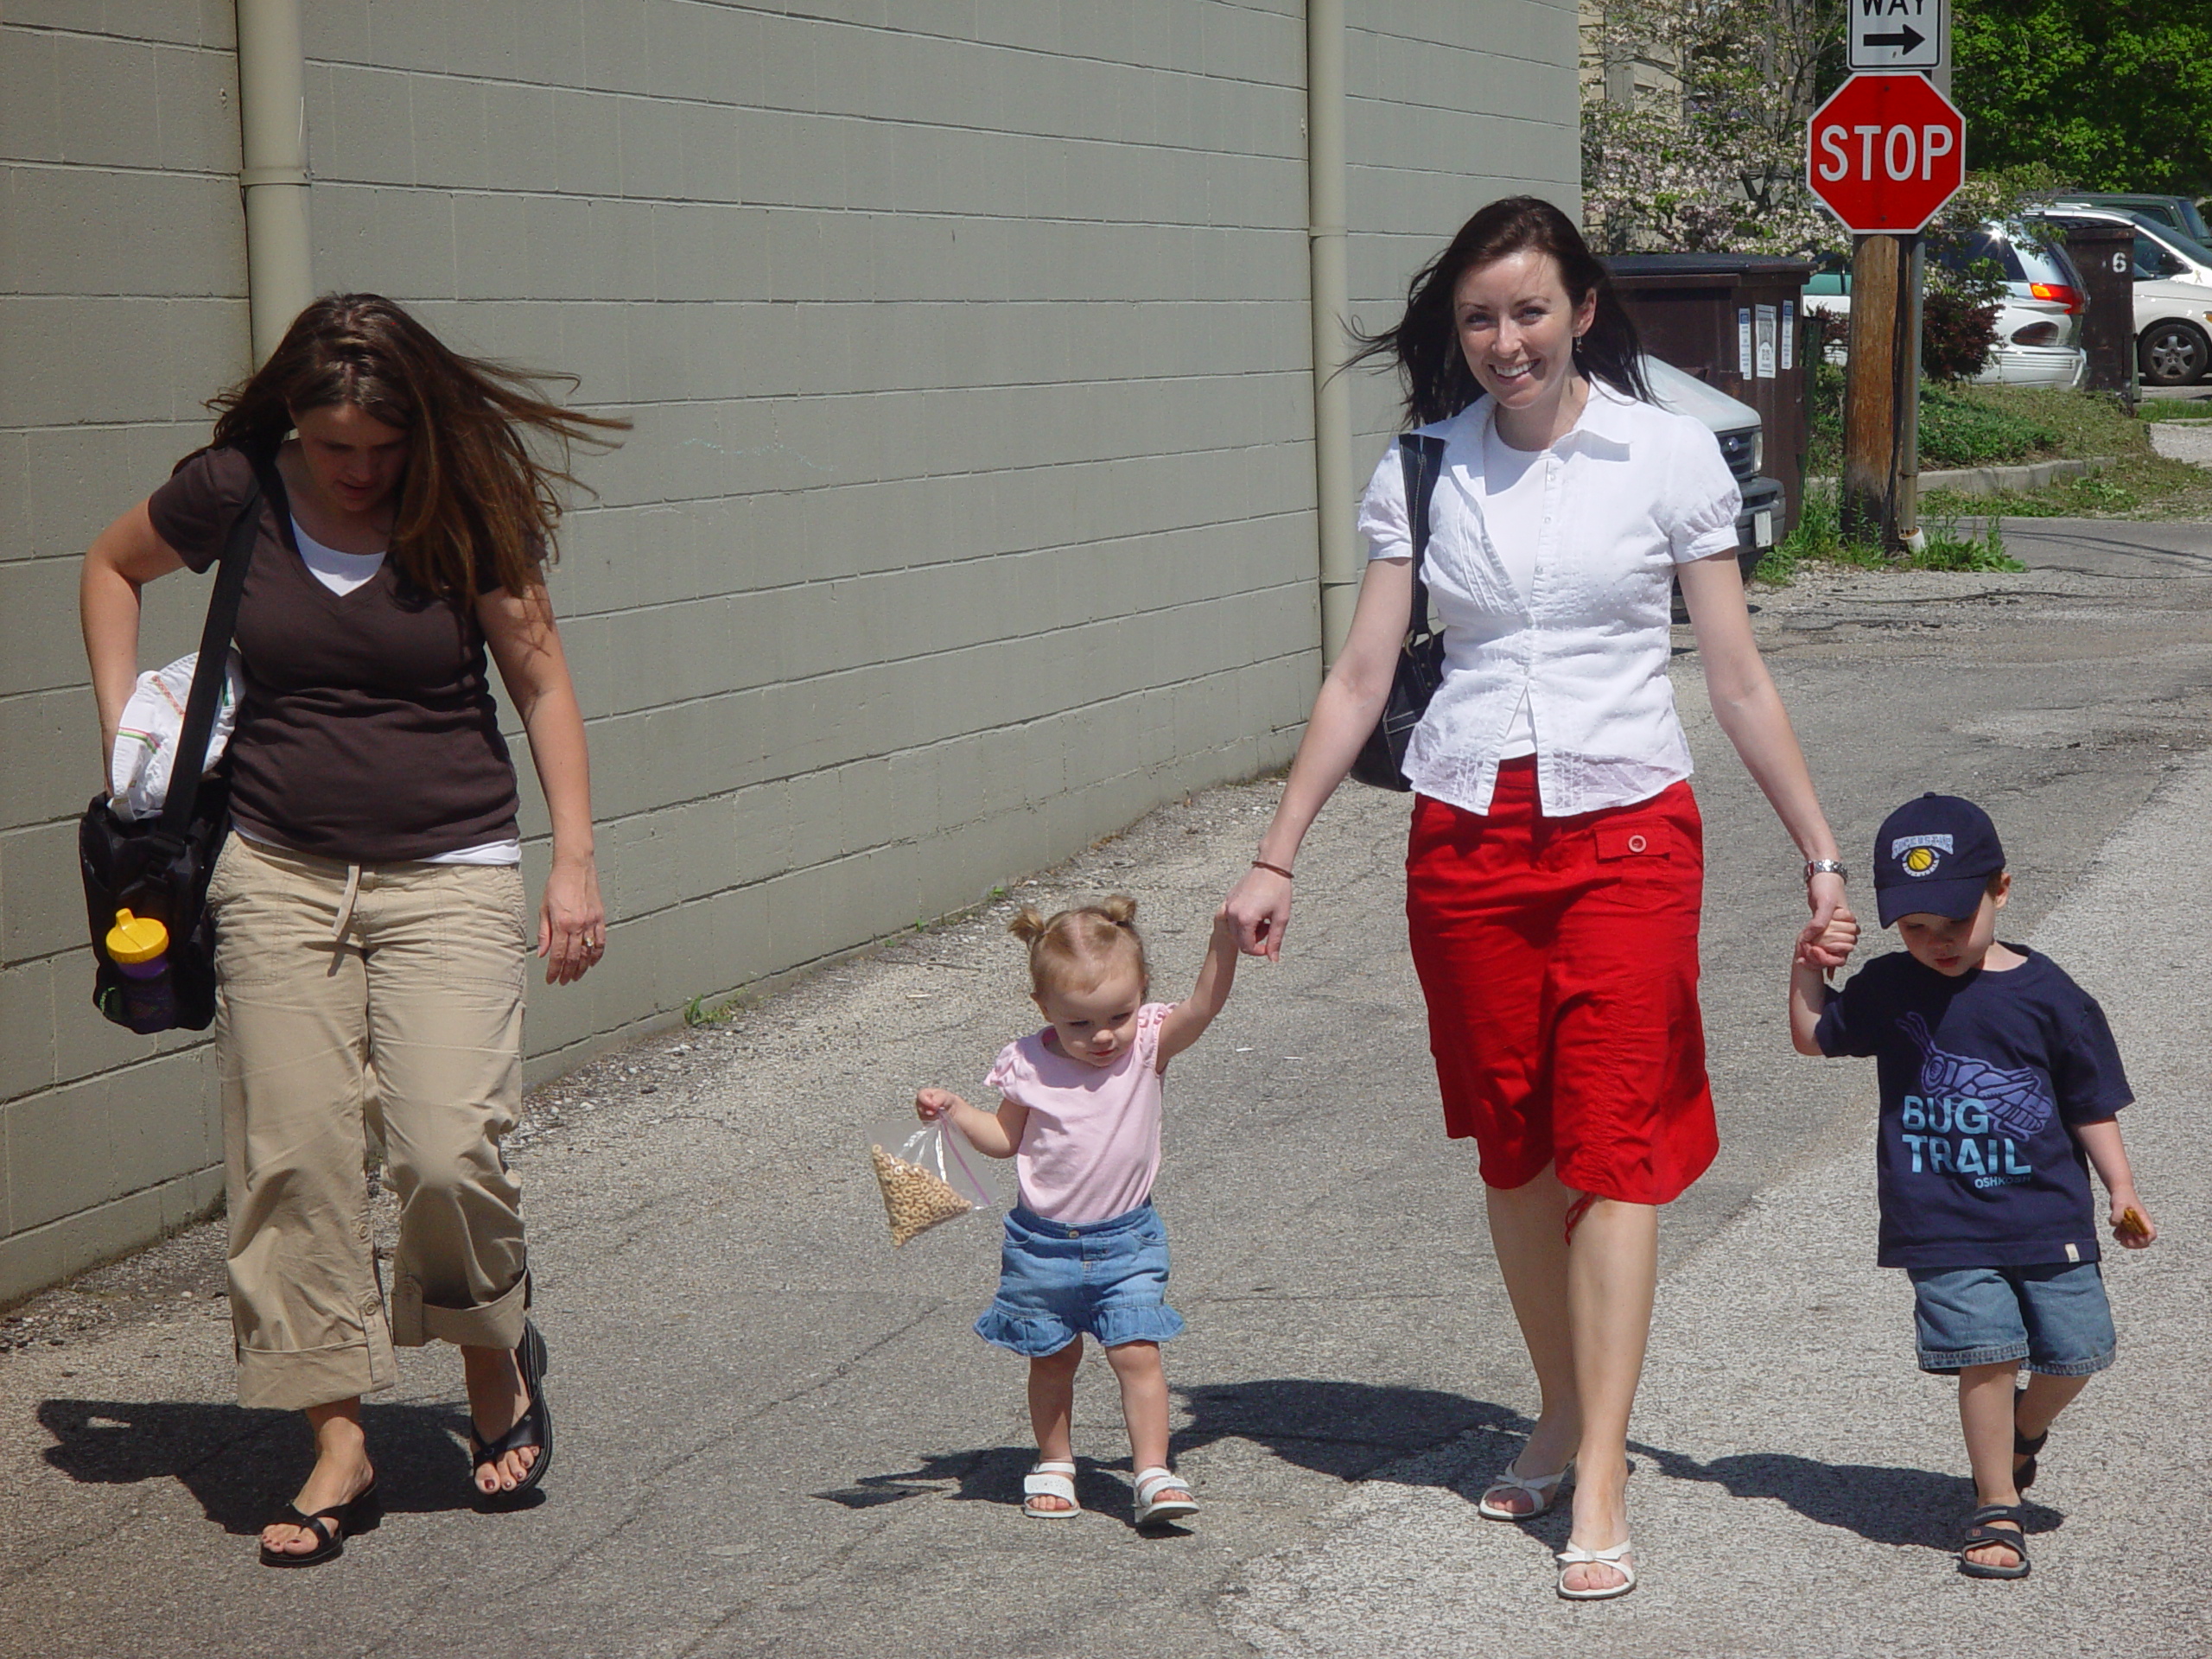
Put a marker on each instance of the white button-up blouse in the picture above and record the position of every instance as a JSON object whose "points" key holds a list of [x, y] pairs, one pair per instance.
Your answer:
{"points": [[1631, 492]]}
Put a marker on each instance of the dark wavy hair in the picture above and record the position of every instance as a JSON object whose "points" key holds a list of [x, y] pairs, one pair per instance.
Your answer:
{"points": [[1424, 343], [476, 507]]}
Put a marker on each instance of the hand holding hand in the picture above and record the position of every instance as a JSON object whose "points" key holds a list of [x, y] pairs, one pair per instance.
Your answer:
{"points": [[1258, 913], [571, 920], [1828, 939]]}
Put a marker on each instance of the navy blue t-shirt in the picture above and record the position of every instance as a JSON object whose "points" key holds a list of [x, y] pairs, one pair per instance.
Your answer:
{"points": [[1983, 1079]]}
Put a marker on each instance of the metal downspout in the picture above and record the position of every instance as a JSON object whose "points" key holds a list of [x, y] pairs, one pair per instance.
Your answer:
{"points": [[273, 168], [1340, 564]]}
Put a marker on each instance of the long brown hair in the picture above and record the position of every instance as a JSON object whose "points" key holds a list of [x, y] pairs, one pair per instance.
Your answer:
{"points": [[1425, 344], [477, 509]]}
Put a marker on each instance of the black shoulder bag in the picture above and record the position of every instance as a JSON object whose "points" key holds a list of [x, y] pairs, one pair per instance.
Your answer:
{"points": [[158, 867], [1420, 659]]}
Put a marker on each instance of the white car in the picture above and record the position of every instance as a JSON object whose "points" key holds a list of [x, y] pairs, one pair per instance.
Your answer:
{"points": [[2173, 332], [2038, 320], [2162, 254]]}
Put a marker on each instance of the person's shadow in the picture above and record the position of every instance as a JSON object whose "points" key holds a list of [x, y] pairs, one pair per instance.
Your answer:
{"points": [[1348, 1430], [243, 1465], [1352, 1430], [1882, 1503]]}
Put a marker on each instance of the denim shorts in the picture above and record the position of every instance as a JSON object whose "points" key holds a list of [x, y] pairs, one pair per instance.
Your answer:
{"points": [[1057, 1281], [2053, 1315]]}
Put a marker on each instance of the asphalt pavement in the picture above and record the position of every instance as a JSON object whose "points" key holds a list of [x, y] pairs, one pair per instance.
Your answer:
{"points": [[777, 1436]]}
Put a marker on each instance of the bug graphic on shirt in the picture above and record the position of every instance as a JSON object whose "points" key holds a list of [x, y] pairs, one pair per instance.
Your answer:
{"points": [[2017, 1102]]}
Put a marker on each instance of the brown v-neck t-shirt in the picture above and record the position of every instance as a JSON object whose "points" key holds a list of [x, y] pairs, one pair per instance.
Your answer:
{"points": [[368, 731]]}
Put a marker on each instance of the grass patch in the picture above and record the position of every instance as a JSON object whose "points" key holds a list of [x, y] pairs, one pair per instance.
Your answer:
{"points": [[1959, 431], [1979, 426], [2166, 411], [1949, 550], [1818, 538]]}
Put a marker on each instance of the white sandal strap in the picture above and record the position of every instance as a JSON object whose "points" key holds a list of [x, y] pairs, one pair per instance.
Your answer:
{"points": [[1047, 1480], [1150, 1481], [1575, 1555]]}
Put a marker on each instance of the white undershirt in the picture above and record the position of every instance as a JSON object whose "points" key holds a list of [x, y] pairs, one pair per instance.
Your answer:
{"points": [[1513, 512], [340, 572], [343, 573]]}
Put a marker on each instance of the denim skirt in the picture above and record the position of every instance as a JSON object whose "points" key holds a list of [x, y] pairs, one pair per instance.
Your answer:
{"points": [[1057, 1281]]}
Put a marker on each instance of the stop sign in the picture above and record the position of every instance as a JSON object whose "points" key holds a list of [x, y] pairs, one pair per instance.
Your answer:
{"points": [[1885, 152]]}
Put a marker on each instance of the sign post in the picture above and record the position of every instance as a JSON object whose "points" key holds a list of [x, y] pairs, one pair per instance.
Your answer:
{"points": [[1883, 154]]}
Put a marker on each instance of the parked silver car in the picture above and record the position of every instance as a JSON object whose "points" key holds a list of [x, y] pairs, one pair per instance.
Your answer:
{"points": [[2038, 320]]}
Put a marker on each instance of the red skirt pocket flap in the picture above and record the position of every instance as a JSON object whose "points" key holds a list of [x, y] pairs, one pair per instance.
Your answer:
{"points": [[1634, 840]]}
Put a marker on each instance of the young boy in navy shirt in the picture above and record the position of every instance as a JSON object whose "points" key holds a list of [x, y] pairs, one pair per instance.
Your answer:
{"points": [[1999, 1079]]}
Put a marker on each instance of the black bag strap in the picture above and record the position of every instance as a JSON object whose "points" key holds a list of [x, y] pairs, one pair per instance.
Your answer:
{"points": [[207, 674], [1420, 456]]}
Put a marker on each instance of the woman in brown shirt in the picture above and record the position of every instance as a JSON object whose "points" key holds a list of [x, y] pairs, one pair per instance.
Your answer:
{"points": [[370, 930]]}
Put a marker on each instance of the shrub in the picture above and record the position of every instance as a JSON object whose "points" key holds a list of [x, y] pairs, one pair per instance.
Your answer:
{"points": [[1956, 334]]}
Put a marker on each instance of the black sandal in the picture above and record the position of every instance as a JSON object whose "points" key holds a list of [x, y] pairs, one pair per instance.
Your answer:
{"points": [[534, 1427], [2025, 1475], [333, 1526], [1980, 1532]]}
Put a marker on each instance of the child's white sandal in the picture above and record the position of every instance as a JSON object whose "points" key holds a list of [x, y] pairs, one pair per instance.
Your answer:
{"points": [[1050, 1480], [1618, 1558], [1152, 1507]]}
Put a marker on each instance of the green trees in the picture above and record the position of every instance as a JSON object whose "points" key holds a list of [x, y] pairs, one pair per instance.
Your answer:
{"points": [[2112, 94]]}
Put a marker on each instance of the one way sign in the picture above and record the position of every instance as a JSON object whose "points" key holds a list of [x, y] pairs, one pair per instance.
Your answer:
{"points": [[1900, 34]]}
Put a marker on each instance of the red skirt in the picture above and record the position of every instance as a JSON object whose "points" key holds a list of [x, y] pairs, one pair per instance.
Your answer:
{"points": [[1558, 960]]}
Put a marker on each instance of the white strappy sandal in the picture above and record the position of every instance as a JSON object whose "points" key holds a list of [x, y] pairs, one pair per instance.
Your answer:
{"points": [[1620, 1558], [1050, 1480], [1541, 1493], [1151, 1507]]}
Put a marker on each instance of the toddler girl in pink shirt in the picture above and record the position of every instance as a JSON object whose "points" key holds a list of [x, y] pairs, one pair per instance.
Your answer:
{"points": [[1085, 1251]]}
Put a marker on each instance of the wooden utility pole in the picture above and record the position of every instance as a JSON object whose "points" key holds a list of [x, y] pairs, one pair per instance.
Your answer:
{"points": [[1880, 391]]}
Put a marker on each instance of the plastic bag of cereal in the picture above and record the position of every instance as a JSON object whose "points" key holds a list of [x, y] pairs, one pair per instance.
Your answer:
{"points": [[929, 1174]]}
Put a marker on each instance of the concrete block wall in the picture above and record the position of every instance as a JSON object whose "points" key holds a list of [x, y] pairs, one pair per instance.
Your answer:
{"points": [[122, 306], [968, 509]]}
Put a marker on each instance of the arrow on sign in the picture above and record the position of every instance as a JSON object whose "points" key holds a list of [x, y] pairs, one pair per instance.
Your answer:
{"points": [[1905, 40]]}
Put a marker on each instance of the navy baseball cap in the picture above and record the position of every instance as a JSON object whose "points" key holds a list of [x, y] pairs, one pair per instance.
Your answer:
{"points": [[1934, 856]]}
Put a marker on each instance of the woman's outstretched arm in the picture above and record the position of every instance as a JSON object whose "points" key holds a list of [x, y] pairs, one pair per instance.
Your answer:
{"points": [[1350, 704], [123, 559], [1750, 711]]}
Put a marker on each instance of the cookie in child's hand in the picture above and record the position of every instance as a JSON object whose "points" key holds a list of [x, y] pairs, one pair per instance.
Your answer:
{"points": [[2131, 1224], [913, 1198]]}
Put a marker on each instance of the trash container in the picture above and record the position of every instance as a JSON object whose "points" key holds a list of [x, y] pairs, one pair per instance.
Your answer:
{"points": [[1733, 321], [2104, 254]]}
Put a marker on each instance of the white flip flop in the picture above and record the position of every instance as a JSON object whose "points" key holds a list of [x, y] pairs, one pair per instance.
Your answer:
{"points": [[1618, 1558], [1050, 1480], [1151, 1507], [1541, 1491]]}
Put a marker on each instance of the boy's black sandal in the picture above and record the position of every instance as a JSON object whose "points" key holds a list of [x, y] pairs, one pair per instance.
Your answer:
{"points": [[333, 1526], [1980, 1532], [2025, 1475], [534, 1427]]}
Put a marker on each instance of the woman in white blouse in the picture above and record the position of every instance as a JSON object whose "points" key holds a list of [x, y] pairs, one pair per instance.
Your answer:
{"points": [[1555, 870]]}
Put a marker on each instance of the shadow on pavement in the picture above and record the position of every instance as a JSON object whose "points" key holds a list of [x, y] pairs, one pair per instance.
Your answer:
{"points": [[1346, 1430], [1883, 1505], [243, 1466]]}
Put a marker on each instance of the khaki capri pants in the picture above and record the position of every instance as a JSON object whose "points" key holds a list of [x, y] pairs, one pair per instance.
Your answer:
{"points": [[391, 988]]}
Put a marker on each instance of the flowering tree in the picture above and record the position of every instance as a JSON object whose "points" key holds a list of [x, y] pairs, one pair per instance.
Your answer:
{"points": [[1715, 163]]}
